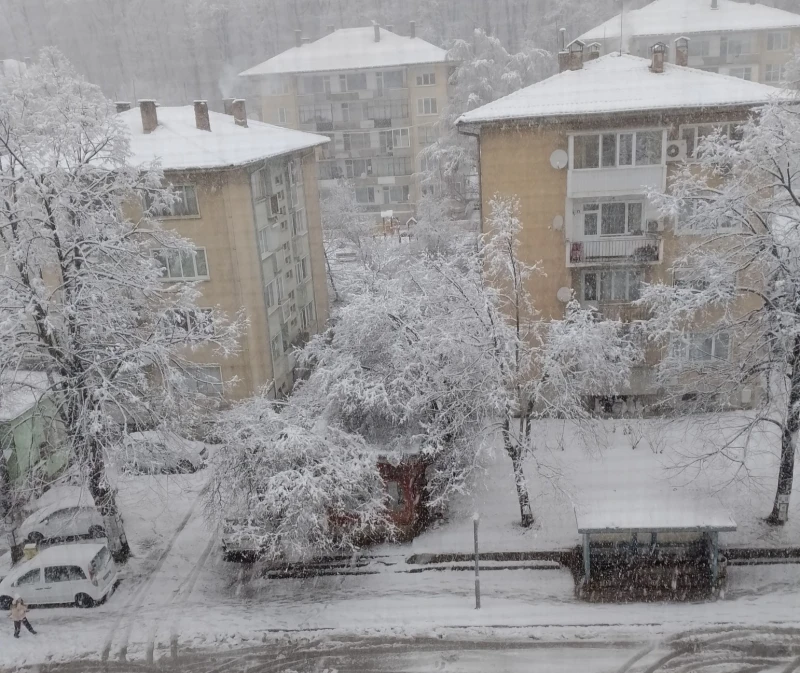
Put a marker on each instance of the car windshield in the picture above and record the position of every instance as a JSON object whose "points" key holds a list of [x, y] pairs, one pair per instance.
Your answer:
{"points": [[100, 560]]}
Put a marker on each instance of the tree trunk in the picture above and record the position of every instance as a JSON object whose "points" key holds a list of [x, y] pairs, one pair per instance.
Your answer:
{"points": [[330, 275], [788, 437], [106, 502], [516, 454]]}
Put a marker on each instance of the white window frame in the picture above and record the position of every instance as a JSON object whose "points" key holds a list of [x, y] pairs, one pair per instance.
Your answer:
{"points": [[785, 37], [682, 229], [745, 70], [210, 386], [769, 73], [427, 107], [618, 133], [299, 224], [686, 278], [633, 280], [301, 270], [179, 191], [271, 296], [426, 79], [401, 138], [276, 346], [164, 253], [738, 39], [281, 115], [690, 346], [586, 209], [727, 126], [347, 141], [370, 190]]}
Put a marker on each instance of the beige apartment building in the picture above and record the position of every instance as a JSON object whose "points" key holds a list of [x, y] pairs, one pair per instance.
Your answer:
{"points": [[581, 150], [248, 199], [377, 95], [741, 39]]}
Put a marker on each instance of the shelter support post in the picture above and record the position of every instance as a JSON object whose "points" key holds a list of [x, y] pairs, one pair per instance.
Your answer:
{"points": [[714, 542], [587, 563]]}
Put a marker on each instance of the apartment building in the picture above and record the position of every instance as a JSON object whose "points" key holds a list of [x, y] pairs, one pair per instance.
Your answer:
{"points": [[581, 150], [377, 95], [249, 201], [741, 39]]}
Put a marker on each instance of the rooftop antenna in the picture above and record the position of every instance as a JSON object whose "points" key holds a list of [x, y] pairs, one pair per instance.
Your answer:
{"points": [[621, 24]]}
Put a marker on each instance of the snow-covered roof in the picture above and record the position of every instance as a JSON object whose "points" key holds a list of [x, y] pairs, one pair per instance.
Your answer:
{"points": [[622, 83], [652, 513], [11, 68], [179, 145], [687, 17], [351, 49], [19, 391]]}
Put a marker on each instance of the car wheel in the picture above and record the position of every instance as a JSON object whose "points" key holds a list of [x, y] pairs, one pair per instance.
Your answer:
{"points": [[5, 602], [186, 467], [84, 601], [96, 532], [35, 537]]}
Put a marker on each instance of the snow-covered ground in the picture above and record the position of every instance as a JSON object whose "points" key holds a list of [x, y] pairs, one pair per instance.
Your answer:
{"points": [[179, 597]]}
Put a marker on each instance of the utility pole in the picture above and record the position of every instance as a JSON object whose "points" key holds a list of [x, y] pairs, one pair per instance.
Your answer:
{"points": [[475, 520]]}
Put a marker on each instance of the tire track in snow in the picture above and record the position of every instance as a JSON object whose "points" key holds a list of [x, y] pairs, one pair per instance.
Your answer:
{"points": [[132, 607]]}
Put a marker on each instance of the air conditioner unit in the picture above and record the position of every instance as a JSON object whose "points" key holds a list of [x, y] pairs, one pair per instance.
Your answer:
{"points": [[676, 150]]}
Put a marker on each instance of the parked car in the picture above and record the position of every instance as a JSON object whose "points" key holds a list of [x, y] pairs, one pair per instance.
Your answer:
{"points": [[241, 540], [155, 452], [59, 521], [83, 574]]}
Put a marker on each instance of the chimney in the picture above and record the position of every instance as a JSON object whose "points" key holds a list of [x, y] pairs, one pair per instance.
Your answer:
{"points": [[562, 39], [227, 104], [149, 115], [122, 106], [412, 29], [331, 28], [715, 4], [682, 51], [659, 51], [563, 61], [239, 112], [377, 29], [298, 38], [576, 55], [594, 51], [201, 115]]}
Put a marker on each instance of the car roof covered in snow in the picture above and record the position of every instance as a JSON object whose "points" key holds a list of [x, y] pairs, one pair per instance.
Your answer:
{"points": [[57, 555], [351, 49], [617, 83], [46, 511], [688, 17], [652, 513], [178, 144]]}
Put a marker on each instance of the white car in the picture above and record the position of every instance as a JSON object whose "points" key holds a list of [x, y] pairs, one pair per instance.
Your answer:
{"points": [[83, 574], [59, 521], [155, 452]]}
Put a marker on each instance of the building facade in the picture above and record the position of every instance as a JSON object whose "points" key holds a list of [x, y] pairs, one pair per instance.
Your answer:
{"points": [[376, 95], [741, 39], [582, 167], [248, 199]]}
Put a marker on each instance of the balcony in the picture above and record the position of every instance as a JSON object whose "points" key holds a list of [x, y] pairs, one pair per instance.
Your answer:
{"points": [[605, 182], [623, 311], [615, 250]]}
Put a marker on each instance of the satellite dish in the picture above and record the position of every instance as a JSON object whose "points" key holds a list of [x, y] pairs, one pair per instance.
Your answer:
{"points": [[559, 159], [564, 295], [558, 222]]}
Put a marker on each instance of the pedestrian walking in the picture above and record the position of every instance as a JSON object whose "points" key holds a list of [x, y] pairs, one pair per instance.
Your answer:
{"points": [[18, 612]]}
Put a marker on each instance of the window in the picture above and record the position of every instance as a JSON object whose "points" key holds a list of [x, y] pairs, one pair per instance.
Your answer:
{"points": [[204, 379], [778, 41], [358, 168], [694, 135], [314, 84], [311, 114], [278, 86], [395, 194], [774, 73], [30, 577], [427, 134], [306, 316], [426, 106], [270, 294], [612, 285], [190, 320], [299, 223], [277, 347], [689, 279], [365, 194], [184, 203], [701, 47], [301, 269], [614, 218], [735, 46], [393, 79], [745, 72], [356, 141], [182, 265], [353, 82], [329, 170], [699, 347], [100, 560], [281, 115], [63, 574], [386, 110], [426, 79], [609, 150], [688, 215], [401, 138], [385, 141], [392, 166]]}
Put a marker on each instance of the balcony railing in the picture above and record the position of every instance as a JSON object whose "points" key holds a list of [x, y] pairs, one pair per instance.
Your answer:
{"points": [[615, 250]]}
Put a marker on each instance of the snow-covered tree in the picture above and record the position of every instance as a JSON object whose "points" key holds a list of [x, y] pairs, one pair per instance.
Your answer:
{"points": [[731, 320], [81, 292], [300, 486], [484, 72]]}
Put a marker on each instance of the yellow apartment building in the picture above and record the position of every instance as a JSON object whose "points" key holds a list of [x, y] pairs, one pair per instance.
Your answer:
{"points": [[248, 199], [581, 150], [741, 39], [377, 95]]}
